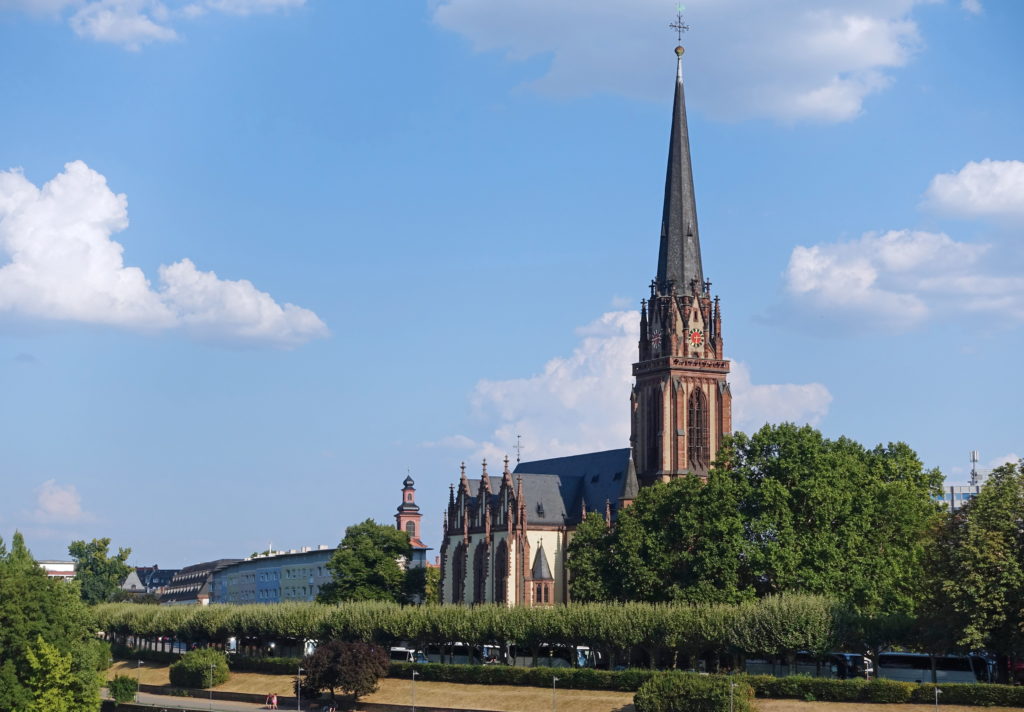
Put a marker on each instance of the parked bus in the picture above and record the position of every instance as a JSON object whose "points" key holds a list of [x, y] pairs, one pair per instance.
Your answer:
{"points": [[918, 667], [842, 666], [454, 654], [407, 655], [554, 656]]}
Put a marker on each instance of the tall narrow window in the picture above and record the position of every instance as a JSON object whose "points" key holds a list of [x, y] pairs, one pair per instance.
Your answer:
{"points": [[410, 529], [480, 573], [501, 573], [697, 431], [458, 573], [653, 447]]}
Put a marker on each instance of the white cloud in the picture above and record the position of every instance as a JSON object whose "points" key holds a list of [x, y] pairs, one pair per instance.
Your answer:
{"points": [[57, 503], [972, 6], [129, 23], [135, 23], [899, 279], [789, 60], [1010, 458], [63, 265], [580, 403], [249, 7], [755, 405], [981, 188]]}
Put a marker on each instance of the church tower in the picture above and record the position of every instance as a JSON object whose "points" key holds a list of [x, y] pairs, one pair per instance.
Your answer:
{"points": [[681, 403]]}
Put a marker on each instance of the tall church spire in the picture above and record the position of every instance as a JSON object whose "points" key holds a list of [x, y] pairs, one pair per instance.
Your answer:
{"points": [[679, 255]]}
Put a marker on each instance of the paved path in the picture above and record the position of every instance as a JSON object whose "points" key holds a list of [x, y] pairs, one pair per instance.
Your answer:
{"points": [[170, 703]]}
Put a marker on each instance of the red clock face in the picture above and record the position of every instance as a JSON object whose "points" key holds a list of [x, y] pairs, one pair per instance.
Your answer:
{"points": [[696, 337]]}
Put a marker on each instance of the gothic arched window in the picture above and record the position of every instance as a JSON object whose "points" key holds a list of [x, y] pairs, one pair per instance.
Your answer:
{"points": [[697, 430], [501, 573], [458, 573], [480, 573], [654, 410]]}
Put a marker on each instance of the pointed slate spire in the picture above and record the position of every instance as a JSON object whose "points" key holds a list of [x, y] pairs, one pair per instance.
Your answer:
{"points": [[679, 254], [631, 486], [541, 570]]}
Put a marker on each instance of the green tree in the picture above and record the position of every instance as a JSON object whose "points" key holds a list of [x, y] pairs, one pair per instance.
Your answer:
{"points": [[783, 510], [366, 565], [98, 574], [49, 659], [587, 559], [978, 569], [422, 584], [353, 668]]}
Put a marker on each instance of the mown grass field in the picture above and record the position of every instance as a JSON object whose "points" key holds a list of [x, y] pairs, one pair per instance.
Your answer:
{"points": [[502, 698]]}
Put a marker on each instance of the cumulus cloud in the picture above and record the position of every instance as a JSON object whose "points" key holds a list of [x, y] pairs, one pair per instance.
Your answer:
{"points": [[135, 23], [59, 504], [790, 60], [63, 265], [899, 279], [972, 6], [129, 23], [984, 188], [754, 405], [580, 402]]}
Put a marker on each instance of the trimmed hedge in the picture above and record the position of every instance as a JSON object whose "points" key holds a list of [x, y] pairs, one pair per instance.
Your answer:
{"points": [[797, 687], [238, 663], [692, 692], [568, 678], [200, 669]]}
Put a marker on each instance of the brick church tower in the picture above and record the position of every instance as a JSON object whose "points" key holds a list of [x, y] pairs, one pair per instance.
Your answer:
{"points": [[681, 403]]}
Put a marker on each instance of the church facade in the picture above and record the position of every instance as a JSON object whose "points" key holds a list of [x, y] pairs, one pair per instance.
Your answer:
{"points": [[506, 536]]}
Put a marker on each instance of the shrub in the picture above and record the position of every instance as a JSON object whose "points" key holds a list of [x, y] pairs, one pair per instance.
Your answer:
{"points": [[691, 692], [968, 694], [201, 668], [123, 688], [888, 691]]}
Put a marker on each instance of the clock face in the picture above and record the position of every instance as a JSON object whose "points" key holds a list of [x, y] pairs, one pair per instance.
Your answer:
{"points": [[695, 337]]}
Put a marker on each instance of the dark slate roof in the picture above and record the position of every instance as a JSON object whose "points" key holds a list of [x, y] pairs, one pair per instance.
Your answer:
{"points": [[561, 485], [160, 577], [541, 570], [679, 253]]}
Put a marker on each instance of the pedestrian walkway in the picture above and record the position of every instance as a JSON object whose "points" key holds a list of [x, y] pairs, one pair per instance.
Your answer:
{"points": [[169, 703]]}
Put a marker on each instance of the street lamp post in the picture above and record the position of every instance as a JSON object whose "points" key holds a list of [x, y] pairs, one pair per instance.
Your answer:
{"points": [[732, 688], [554, 681], [414, 674], [138, 679], [298, 688], [937, 693], [212, 667]]}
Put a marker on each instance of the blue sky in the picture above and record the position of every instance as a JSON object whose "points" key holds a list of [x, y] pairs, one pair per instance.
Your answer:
{"points": [[259, 257]]}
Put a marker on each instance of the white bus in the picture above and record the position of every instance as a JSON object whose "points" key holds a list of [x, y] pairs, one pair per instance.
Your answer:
{"points": [[917, 667], [844, 666]]}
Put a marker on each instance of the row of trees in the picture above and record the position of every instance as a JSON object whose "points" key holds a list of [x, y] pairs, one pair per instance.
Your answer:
{"points": [[773, 625], [788, 510], [50, 661]]}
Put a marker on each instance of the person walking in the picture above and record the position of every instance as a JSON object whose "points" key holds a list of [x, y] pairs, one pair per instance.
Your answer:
{"points": [[273, 701]]}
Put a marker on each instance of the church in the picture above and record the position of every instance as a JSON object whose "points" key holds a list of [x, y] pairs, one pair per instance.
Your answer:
{"points": [[506, 535]]}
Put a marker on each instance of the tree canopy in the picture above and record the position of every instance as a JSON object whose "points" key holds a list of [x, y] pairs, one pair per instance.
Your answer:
{"points": [[48, 658], [98, 574], [366, 565], [783, 510], [977, 570]]}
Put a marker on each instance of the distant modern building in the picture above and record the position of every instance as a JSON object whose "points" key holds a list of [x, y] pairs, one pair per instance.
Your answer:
{"points": [[295, 575], [148, 579], [408, 520], [956, 496], [193, 585], [64, 570]]}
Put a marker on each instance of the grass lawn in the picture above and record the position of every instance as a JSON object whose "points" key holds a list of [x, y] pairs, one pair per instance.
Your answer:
{"points": [[504, 698]]}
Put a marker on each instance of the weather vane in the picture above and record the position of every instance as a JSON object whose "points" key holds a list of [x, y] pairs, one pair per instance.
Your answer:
{"points": [[679, 26]]}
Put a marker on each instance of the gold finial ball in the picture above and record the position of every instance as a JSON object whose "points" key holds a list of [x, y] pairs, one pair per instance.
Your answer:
{"points": [[679, 51]]}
